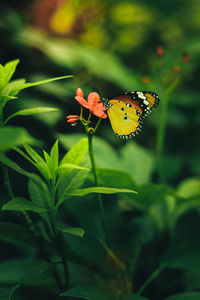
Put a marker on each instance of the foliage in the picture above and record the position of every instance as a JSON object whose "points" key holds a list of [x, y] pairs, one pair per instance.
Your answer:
{"points": [[85, 215]]}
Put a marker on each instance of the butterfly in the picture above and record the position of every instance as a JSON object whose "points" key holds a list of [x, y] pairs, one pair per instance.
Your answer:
{"points": [[127, 111]]}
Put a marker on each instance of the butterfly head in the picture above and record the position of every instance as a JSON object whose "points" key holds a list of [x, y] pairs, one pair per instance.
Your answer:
{"points": [[106, 103]]}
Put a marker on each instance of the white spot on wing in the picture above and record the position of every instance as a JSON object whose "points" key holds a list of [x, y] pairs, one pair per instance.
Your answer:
{"points": [[146, 102], [141, 95]]}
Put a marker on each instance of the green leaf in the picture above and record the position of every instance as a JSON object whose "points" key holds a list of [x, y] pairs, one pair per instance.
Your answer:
{"points": [[158, 200], [14, 136], [40, 164], [21, 204], [39, 272], [100, 190], [115, 178], [6, 293], [27, 85], [16, 234], [190, 187], [13, 87], [68, 166], [107, 157], [52, 160], [31, 111], [71, 180], [5, 99], [185, 296], [6, 72], [89, 292], [37, 192], [54, 154], [183, 253], [73, 230], [137, 161], [5, 160], [76, 153]]}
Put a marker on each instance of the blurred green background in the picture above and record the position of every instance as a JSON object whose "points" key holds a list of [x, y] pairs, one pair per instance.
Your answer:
{"points": [[110, 47]]}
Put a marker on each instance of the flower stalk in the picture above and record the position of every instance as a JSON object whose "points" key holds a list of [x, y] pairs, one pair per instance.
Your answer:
{"points": [[99, 197]]}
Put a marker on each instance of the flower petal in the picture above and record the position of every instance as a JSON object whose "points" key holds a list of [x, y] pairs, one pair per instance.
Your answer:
{"points": [[79, 92], [93, 99], [72, 120], [99, 111], [82, 101], [72, 116]]}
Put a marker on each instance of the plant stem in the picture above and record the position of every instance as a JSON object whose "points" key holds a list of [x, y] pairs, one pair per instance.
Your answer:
{"points": [[149, 280], [58, 241], [162, 129], [7, 181], [102, 213]]}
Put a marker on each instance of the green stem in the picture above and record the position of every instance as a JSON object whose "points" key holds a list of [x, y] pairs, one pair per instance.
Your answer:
{"points": [[7, 181], [102, 213], [162, 129], [149, 280], [59, 243]]}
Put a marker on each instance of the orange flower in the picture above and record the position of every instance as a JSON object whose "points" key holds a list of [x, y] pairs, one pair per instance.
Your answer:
{"points": [[72, 119], [93, 103]]}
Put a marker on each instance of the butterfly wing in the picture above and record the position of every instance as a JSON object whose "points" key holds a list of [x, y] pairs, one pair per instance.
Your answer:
{"points": [[124, 118], [144, 101], [127, 111]]}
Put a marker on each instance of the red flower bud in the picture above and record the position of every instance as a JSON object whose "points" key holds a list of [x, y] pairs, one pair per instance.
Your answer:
{"points": [[160, 51]]}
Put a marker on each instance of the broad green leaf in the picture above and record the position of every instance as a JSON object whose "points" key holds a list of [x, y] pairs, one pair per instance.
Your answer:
{"points": [[89, 292], [39, 272], [185, 296], [68, 166], [137, 161], [6, 293], [12, 271], [31, 111], [38, 191], [73, 230], [134, 159], [14, 136], [39, 194], [40, 164], [16, 234], [100, 190], [6, 72], [115, 178], [158, 200], [13, 87], [76, 153], [8, 162], [105, 155], [71, 180], [190, 187], [21, 204]]}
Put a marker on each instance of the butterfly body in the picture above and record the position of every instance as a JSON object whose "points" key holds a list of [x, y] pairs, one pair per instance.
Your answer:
{"points": [[126, 112]]}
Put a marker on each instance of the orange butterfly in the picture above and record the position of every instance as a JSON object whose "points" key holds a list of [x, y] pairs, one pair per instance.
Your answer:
{"points": [[126, 112]]}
